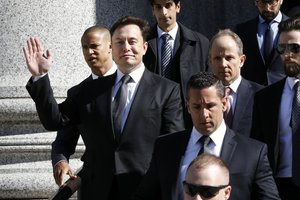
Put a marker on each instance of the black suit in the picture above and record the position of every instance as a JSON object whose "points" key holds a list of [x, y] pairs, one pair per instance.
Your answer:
{"points": [[190, 57], [255, 69], [250, 173], [265, 127], [66, 139], [242, 118], [156, 109], [265, 119]]}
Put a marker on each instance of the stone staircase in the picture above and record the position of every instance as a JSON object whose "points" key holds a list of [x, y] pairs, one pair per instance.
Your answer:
{"points": [[25, 148], [25, 166]]}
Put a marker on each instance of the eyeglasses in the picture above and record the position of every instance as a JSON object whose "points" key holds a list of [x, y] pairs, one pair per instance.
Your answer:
{"points": [[203, 190], [293, 47], [266, 2]]}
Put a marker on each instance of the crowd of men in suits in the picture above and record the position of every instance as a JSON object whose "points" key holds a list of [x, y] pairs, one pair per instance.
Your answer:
{"points": [[158, 97]]}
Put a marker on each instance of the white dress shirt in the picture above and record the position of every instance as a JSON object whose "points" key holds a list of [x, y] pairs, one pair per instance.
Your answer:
{"points": [[194, 147]]}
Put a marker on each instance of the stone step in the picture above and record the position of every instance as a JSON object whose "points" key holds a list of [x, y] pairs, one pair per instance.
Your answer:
{"points": [[25, 166]]}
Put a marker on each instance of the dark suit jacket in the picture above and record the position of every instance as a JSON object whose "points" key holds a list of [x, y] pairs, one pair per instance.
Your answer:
{"points": [[156, 109], [255, 69], [265, 119], [66, 139], [190, 56], [242, 118], [250, 173]]}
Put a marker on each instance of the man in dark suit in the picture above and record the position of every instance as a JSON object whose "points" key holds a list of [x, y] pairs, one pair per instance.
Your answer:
{"points": [[259, 67], [250, 172], [189, 48], [118, 152], [226, 59], [97, 52], [273, 111]]}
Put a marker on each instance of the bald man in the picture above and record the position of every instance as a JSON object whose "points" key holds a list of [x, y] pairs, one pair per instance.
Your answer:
{"points": [[97, 52], [207, 177]]}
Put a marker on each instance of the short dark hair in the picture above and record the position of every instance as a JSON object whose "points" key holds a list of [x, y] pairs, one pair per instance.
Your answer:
{"points": [[128, 20], [290, 24], [203, 80], [175, 1], [97, 28]]}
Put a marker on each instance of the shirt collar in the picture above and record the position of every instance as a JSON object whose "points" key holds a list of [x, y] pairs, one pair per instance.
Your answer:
{"points": [[291, 81], [217, 136], [136, 75], [234, 86], [109, 72], [172, 33], [277, 19]]}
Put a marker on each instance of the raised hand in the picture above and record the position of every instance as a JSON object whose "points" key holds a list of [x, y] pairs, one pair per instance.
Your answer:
{"points": [[37, 62]]}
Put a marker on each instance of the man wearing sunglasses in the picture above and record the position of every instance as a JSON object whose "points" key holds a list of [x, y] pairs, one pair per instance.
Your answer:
{"points": [[250, 172], [260, 35], [276, 112], [208, 177]]}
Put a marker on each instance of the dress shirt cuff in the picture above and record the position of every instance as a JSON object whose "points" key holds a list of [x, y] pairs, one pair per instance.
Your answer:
{"points": [[36, 78]]}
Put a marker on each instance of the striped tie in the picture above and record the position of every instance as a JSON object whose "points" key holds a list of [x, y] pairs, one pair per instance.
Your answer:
{"points": [[166, 55]]}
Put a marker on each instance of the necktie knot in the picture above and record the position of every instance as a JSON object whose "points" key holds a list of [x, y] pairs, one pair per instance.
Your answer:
{"points": [[126, 79], [166, 37], [228, 91], [204, 141]]}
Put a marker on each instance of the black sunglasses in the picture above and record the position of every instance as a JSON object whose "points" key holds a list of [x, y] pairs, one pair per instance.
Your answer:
{"points": [[203, 190], [294, 48]]}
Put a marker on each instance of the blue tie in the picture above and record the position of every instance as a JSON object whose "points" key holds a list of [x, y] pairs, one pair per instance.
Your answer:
{"points": [[268, 43]]}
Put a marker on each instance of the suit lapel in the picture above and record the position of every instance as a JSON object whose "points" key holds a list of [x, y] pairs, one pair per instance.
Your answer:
{"points": [[229, 146], [153, 46], [145, 94], [273, 121], [104, 98], [177, 153], [241, 102]]}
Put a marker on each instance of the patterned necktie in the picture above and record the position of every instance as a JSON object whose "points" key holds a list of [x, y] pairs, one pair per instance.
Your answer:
{"points": [[204, 141], [295, 121], [228, 115], [166, 56], [268, 42], [119, 106]]}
